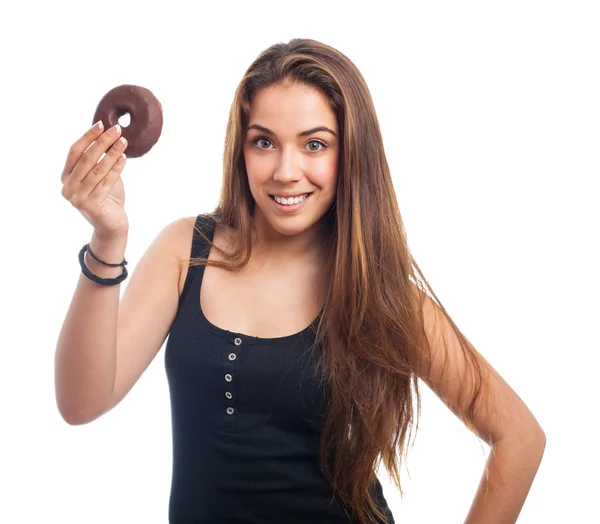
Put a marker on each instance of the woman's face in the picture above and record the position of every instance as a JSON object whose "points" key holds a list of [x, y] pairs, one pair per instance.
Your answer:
{"points": [[285, 154]]}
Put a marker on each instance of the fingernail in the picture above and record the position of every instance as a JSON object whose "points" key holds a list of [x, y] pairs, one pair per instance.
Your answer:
{"points": [[117, 129], [98, 125]]}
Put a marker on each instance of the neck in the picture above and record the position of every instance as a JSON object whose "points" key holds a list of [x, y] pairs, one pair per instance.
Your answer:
{"points": [[272, 247]]}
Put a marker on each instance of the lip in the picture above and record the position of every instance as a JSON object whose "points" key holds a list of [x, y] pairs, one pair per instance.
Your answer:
{"points": [[290, 194], [291, 208]]}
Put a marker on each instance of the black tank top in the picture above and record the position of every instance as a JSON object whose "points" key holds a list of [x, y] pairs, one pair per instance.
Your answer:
{"points": [[246, 414]]}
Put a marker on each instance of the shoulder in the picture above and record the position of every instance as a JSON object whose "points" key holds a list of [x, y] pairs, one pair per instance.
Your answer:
{"points": [[175, 240], [178, 236]]}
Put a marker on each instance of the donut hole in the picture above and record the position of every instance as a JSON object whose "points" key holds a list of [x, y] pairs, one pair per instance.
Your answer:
{"points": [[124, 120]]}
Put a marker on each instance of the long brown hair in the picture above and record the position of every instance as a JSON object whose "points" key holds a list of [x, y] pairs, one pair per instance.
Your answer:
{"points": [[372, 329]]}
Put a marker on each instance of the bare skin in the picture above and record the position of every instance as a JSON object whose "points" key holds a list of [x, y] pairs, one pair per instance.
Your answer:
{"points": [[259, 300]]}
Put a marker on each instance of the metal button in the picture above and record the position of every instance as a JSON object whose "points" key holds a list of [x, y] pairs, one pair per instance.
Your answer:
{"points": [[232, 356], [230, 411], [237, 341], [228, 377], [228, 395]]}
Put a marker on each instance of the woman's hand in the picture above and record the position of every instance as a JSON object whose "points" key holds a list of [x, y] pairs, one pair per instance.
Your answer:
{"points": [[95, 188]]}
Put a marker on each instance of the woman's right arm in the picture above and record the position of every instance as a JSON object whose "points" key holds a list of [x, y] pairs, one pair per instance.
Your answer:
{"points": [[85, 359], [105, 343]]}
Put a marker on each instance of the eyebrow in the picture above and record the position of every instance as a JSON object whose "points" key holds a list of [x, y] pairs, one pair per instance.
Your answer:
{"points": [[303, 133]]}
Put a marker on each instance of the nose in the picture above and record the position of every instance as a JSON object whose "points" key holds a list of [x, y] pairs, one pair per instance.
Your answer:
{"points": [[287, 169]]}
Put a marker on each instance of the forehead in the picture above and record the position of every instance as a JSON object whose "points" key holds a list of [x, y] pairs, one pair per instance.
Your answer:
{"points": [[295, 105]]}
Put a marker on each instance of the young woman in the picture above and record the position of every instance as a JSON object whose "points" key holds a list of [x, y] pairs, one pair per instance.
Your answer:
{"points": [[298, 321]]}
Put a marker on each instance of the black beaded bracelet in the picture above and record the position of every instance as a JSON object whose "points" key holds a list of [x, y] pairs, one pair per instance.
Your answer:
{"points": [[96, 278]]}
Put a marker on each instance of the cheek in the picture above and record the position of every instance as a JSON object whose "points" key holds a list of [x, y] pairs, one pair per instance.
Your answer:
{"points": [[323, 171], [258, 166]]}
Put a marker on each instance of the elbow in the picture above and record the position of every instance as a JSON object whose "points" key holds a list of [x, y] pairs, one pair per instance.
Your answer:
{"points": [[542, 439], [532, 436], [71, 417], [537, 435], [75, 417], [71, 420], [76, 412], [67, 410], [78, 420]]}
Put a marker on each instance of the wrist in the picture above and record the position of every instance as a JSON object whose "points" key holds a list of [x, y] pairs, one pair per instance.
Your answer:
{"points": [[109, 238], [111, 251]]}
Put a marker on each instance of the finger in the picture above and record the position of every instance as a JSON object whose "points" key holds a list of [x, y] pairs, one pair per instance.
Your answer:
{"points": [[79, 190], [79, 147], [100, 170], [89, 159], [104, 186]]}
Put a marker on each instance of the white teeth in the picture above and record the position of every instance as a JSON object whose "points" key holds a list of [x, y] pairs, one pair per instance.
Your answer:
{"points": [[290, 201]]}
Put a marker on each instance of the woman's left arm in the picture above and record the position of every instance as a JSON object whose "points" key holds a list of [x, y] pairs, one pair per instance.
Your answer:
{"points": [[501, 419], [512, 465]]}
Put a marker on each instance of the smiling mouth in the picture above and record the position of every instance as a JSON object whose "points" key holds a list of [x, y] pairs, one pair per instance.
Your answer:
{"points": [[307, 195]]}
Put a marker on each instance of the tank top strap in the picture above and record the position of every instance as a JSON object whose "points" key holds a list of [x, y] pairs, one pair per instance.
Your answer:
{"points": [[199, 248]]}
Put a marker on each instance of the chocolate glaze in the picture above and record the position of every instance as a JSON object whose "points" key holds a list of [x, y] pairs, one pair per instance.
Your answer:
{"points": [[146, 116]]}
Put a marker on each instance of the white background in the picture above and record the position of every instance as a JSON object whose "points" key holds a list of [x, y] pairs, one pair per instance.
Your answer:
{"points": [[490, 113]]}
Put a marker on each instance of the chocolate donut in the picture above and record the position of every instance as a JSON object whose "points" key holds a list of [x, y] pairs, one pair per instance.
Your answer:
{"points": [[146, 116]]}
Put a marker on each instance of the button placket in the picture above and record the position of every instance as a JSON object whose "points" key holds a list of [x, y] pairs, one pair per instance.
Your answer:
{"points": [[230, 410]]}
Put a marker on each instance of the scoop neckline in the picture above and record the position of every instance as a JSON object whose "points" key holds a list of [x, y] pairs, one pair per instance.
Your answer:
{"points": [[224, 333]]}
